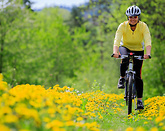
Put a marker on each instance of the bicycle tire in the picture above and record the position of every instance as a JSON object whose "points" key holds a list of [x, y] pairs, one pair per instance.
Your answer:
{"points": [[126, 92], [130, 84]]}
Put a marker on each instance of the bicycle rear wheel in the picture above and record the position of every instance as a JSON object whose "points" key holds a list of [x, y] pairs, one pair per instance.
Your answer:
{"points": [[130, 84]]}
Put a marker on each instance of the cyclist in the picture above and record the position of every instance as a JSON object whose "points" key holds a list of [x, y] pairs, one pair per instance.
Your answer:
{"points": [[131, 36]]}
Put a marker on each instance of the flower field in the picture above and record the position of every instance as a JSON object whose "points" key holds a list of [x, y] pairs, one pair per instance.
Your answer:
{"points": [[34, 108]]}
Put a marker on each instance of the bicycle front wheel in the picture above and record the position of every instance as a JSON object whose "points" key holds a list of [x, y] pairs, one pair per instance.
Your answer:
{"points": [[130, 84]]}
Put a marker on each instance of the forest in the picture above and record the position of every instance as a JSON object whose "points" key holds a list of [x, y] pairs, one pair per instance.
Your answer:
{"points": [[55, 46]]}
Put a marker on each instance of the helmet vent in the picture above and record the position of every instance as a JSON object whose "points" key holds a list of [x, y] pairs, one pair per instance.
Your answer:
{"points": [[133, 11]]}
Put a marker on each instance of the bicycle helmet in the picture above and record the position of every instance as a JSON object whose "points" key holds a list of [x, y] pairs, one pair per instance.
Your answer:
{"points": [[133, 11]]}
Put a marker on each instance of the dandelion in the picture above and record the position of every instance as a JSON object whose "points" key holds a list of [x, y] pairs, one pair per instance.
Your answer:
{"points": [[149, 118], [70, 123], [46, 119], [140, 129], [129, 129], [71, 89], [4, 128], [24, 130], [154, 129], [1, 77], [161, 124], [58, 129], [54, 123], [79, 119], [158, 119], [79, 124], [10, 118], [145, 122]]}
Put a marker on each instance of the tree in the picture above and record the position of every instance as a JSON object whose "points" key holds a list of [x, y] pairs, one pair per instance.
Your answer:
{"points": [[153, 13], [9, 14]]}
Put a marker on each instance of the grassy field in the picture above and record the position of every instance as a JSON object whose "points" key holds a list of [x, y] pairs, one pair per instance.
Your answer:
{"points": [[34, 108]]}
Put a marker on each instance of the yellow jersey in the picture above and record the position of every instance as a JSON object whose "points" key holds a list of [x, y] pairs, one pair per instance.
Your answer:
{"points": [[133, 40]]}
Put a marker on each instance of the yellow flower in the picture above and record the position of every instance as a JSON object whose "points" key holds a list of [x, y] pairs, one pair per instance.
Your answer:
{"points": [[161, 124], [149, 118], [54, 123], [10, 118], [79, 124], [161, 113], [1, 77], [129, 129], [24, 130], [140, 129], [70, 123], [67, 117], [3, 86], [51, 110], [158, 119], [46, 119], [154, 129], [58, 129], [71, 89], [4, 128], [6, 109], [100, 117], [145, 122], [79, 119]]}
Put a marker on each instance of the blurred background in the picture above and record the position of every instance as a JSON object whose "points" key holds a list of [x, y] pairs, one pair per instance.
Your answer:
{"points": [[49, 42]]}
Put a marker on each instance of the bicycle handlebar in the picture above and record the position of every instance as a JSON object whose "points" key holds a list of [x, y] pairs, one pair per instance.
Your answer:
{"points": [[126, 56]]}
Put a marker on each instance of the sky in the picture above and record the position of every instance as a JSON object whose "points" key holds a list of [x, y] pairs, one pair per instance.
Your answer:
{"points": [[46, 3]]}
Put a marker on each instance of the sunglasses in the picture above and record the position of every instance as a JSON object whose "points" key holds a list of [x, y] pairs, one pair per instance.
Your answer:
{"points": [[133, 17]]}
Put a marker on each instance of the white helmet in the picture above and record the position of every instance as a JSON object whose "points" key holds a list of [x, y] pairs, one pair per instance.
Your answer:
{"points": [[133, 11]]}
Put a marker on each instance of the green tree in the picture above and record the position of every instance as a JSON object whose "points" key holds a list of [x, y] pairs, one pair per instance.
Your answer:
{"points": [[153, 13], [11, 12]]}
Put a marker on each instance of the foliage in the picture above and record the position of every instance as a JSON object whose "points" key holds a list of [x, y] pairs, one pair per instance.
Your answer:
{"points": [[154, 71], [55, 46]]}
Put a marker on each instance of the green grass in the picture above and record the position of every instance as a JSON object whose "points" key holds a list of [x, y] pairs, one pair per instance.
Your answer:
{"points": [[120, 121]]}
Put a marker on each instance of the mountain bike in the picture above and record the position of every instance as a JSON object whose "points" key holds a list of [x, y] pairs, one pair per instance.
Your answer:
{"points": [[130, 89]]}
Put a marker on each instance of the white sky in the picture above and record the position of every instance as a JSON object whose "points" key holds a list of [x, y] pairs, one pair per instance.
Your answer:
{"points": [[46, 3]]}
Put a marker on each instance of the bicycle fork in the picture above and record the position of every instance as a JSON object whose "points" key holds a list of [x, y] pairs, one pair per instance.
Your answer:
{"points": [[128, 73]]}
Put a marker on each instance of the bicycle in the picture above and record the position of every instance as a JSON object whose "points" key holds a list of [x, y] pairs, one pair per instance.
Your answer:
{"points": [[130, 89]]}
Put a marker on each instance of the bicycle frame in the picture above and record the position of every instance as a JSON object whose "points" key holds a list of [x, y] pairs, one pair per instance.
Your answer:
{"points": [[130, 89], [130, 79]]}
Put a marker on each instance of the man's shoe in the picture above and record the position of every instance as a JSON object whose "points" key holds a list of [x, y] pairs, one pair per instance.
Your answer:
{"points": [[121, 83], [140, 105]]}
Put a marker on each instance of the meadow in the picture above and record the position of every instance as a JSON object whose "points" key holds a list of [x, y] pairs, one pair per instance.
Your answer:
{"points": [[34, 108]]}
